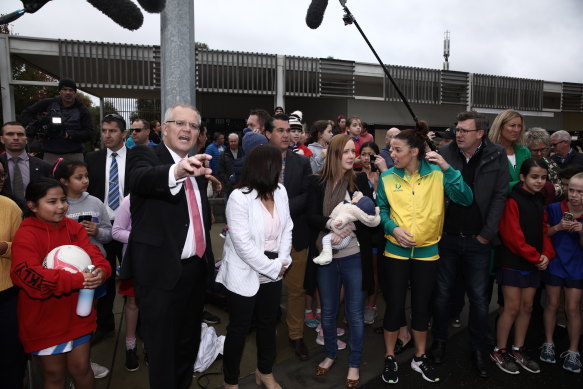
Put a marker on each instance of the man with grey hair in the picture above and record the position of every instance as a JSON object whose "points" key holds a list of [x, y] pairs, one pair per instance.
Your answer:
{"points": [[169, 253], [386, 152], [564, 155], [227, 162]]}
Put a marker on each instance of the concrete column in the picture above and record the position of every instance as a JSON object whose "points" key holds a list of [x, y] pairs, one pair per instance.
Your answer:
{"points": [[177, 56], [280, 82], [6, 89]]}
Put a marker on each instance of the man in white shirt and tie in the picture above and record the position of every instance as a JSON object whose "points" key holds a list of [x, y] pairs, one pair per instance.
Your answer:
{"points": [[107, 181]]}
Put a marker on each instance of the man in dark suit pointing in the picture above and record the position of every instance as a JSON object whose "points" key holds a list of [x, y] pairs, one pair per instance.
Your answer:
{"points": [[169, 251]]}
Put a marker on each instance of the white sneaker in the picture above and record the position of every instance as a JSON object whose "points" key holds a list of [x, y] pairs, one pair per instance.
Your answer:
{"points": [[320, 341], [339, 331], [99, 371]]}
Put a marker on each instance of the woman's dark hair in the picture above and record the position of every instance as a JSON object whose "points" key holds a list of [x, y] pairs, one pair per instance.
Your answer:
{"points": [[65, 169], [371, 145], [153, 124], [317, 128], [415, 138], [38, 189], [532, 162], [261, 171]]}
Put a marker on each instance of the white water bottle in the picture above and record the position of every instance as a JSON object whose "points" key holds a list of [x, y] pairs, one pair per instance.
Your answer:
{"points": [[85, 302]]}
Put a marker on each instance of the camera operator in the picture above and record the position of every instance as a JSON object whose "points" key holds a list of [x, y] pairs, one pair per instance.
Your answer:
{"points": [[62, 123]]}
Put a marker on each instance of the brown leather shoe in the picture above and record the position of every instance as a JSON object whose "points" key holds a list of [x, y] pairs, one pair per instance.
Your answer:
{"points": [[299, 348], [320, 371], [352, 383]]}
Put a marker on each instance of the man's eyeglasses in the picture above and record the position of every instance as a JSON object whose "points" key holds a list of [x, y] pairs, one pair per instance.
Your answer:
{"points": [[555, 144], [464, 131], [182, 123]]}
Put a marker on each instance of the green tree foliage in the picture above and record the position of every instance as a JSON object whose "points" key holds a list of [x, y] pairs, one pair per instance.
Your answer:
{"points": [[147, 109]]}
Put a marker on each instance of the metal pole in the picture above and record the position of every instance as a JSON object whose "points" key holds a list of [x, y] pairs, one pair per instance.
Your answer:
{"points": [[177, 55], [6, 88]]}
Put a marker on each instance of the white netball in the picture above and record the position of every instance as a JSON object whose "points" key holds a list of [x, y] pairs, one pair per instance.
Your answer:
{"points": [[68, 257]]}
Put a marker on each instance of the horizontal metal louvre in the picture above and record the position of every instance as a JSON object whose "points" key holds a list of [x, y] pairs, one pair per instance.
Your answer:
{"points": [[454, 87], [235, 72], [507, 93], [108, 65], [417, 84], [336, 78], [572, 97], [301, 76]]}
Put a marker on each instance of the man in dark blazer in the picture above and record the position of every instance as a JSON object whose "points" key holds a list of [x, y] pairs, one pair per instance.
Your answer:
{"points": [[30, 168], [99, 166], [169, 252], [295, 180]]}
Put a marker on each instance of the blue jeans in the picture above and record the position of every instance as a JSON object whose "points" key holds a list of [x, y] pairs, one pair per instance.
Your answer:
{"points": [[345, 271], [472, 259]]}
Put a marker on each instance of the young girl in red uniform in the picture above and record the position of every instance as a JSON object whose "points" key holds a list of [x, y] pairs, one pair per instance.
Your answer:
{"points": [[49, 327], [526, 251]]}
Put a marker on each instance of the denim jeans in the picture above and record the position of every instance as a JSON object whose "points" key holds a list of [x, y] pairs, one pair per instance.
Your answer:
{"points": [[347, 272], [472, 259]]}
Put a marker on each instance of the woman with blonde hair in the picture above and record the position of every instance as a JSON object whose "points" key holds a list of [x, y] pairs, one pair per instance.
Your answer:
{"points": [[508, 131]]}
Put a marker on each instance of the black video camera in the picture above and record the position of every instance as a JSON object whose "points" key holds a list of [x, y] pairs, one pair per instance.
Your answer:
{"points": [[47, 125]]}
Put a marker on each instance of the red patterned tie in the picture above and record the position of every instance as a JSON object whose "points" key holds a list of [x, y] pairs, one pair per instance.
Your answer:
{"points": [[196, 219]]}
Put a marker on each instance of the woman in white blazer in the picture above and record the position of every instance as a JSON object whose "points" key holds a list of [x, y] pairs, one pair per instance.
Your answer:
{"points": [[255, 257]]}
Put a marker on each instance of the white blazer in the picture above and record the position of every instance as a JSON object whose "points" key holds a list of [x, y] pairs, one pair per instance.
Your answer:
{"points": [[243, 254]]}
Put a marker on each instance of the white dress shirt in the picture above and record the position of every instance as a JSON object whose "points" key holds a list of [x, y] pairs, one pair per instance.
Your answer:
{"points": [[121, 175], [189, 248]]}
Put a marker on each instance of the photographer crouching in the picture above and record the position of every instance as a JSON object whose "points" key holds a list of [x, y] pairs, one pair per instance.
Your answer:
{"points": [[61, 124]]}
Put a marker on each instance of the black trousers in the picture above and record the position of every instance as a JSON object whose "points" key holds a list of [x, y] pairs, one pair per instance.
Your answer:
{"points": [[398, 274], [12, 357], [104, 306], [171, 321], [264, 306]]}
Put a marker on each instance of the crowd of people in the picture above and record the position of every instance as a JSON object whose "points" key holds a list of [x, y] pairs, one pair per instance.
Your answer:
{"points": [[335, 220]]}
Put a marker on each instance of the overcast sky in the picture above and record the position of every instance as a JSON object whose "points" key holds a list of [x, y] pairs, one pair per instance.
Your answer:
{"points": [[538, 39]]}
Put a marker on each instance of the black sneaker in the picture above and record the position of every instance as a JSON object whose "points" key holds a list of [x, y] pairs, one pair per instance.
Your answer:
{"points": [[209, 318], [132, 361], [423, 365], [390, 372], [504, 361], [524, 360]]}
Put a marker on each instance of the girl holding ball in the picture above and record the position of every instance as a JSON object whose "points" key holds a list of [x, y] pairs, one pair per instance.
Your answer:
{"points": [[49, 328]]}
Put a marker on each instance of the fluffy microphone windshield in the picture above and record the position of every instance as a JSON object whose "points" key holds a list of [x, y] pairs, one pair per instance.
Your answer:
{"points": [[153, 6], [123, 12], [316, 13]]}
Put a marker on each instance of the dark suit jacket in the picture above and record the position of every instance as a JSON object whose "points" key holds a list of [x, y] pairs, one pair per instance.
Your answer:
{"points": [[38, 168], [296, 181], [159, 220], [96, 163]]}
